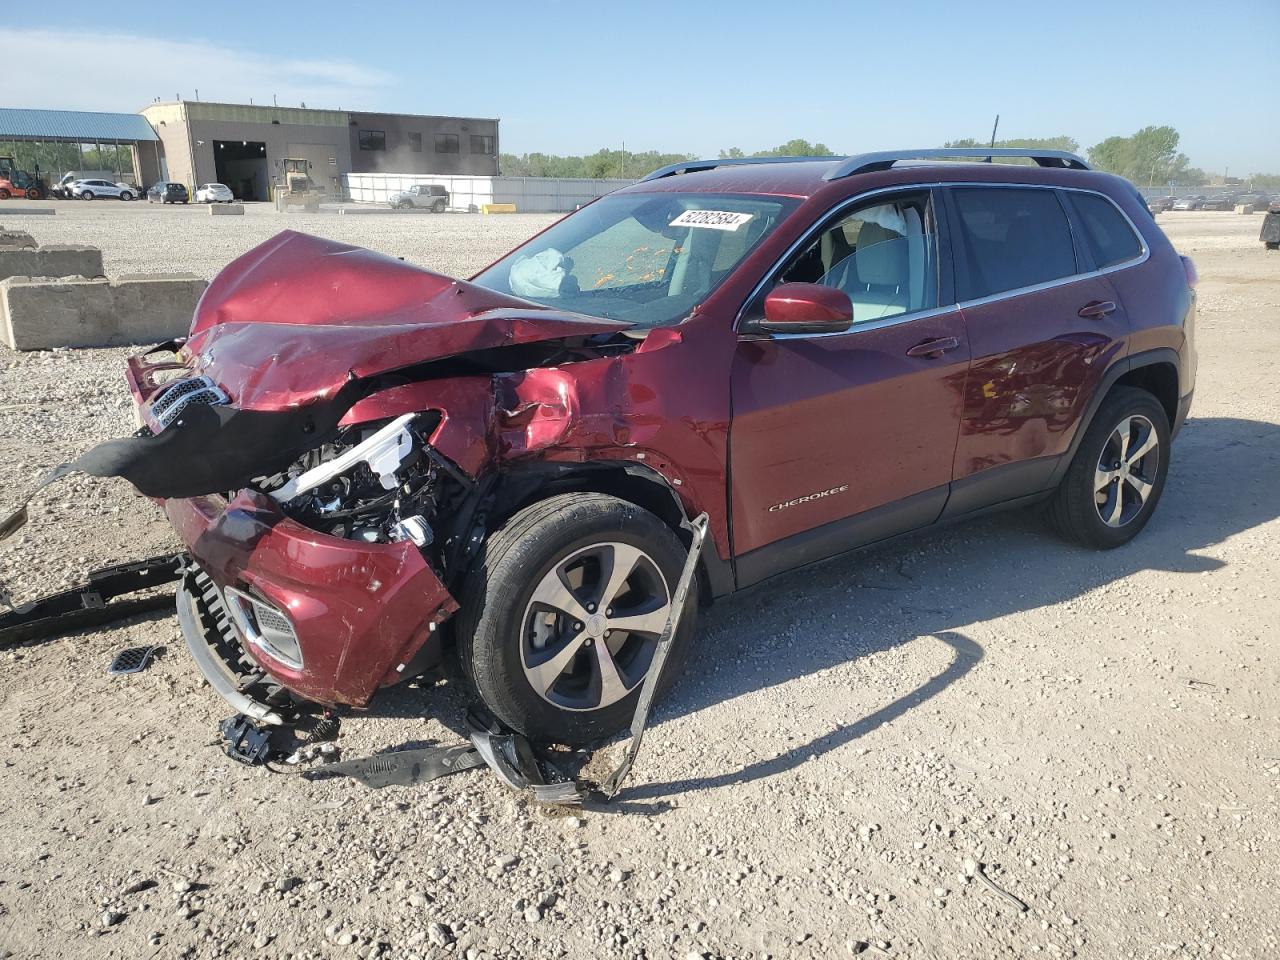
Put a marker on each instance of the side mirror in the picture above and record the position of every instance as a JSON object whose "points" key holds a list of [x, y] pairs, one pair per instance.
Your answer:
{"points": [[806, 308]]}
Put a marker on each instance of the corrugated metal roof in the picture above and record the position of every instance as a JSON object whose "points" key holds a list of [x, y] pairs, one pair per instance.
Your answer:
{"points": [[73, 125]]}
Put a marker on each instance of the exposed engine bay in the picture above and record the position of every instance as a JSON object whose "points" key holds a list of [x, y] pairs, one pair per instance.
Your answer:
{"points": [[375, 483]]}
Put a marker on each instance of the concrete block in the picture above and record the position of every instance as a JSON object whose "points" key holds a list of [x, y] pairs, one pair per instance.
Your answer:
{"points": [[40, 314], [29, 211], [52, 261], [497, 208], [16, 238], [1244, 208], [226, 210]]}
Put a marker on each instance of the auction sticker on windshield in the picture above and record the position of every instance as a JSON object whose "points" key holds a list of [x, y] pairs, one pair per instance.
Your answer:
{"points": [[711, 219]]}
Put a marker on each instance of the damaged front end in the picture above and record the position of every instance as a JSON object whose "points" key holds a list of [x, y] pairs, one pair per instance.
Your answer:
{"points": [[301, 463]]}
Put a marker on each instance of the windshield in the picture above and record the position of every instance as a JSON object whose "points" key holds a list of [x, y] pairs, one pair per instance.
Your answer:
{"points": [[644, 258]]}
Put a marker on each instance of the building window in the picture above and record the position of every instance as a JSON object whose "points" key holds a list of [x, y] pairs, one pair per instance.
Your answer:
{"points": [[415, 142], [447, 143], [373, 140], [482, 145]]}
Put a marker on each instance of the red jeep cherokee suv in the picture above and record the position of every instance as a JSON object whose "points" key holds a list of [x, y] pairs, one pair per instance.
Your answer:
{"points": [[367, 460]]}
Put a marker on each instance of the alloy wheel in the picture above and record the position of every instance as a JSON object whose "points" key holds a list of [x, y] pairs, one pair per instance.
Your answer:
{"points": [[1127, 469], [590, 628]]}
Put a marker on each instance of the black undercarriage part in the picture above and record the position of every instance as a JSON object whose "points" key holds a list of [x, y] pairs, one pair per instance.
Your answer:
{"points": [[246, 742], [402, 768], [90, 604]]}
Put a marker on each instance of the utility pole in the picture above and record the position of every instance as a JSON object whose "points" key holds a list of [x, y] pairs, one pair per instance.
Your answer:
{"points": [[624, 159]]}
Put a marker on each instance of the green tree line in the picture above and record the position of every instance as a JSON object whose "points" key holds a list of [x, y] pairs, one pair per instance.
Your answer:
{"points": [[1149, 157]]}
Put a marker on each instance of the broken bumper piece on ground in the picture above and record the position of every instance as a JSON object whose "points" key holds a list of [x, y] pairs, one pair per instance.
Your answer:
{"points": [[95, 602]]}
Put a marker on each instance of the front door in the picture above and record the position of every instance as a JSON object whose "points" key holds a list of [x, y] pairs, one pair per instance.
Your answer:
{"points": [[840, 439]]}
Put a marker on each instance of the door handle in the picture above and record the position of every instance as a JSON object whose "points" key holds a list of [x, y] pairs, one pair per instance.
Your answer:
{"points": [[934, 348], [1097, 309]]}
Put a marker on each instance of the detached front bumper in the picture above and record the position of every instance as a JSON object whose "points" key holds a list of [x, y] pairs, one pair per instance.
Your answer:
{"points": [[359, 611]]}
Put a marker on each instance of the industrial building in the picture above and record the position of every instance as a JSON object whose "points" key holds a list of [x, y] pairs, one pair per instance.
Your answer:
{"points": [[245, 145]]}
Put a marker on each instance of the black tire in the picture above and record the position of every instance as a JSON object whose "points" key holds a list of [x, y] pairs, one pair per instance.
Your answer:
{"points": [[1074, 511], [87, 195], [512, 563], [4, 194], [126, 196], [438, 207]]}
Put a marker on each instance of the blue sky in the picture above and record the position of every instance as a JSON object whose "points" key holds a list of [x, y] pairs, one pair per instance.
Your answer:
{"points": [[566, 76]]}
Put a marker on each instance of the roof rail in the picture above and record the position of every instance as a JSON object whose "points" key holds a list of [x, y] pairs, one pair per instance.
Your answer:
{"points": [[884, 159], [693, 166]]}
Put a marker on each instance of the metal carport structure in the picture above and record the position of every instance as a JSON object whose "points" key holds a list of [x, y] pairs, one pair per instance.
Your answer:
{"points": [[52, 142]]}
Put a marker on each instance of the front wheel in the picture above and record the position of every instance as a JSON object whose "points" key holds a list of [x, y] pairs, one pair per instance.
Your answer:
{"points": [[4, 194], [1118, 473], [562, 611], [126, 195], [87, 195]]}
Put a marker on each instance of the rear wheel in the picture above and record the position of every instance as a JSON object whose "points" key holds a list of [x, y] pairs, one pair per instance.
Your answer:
{"points": [[1118, 473], [438, 207], [562, 611], [33, 193]]}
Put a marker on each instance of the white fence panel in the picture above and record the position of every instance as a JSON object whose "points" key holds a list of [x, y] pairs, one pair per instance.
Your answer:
{"points": [[529, 194]]}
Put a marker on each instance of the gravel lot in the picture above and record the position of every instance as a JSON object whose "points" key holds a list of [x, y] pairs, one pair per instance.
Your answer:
{"points": [[1099, 730]]}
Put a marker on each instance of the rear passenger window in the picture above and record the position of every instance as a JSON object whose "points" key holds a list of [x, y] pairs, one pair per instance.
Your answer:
{"points": [[1012, 238], [1111, 240]]}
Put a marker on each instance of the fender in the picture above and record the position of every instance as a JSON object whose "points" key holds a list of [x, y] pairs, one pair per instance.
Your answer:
{"points": [[628, 479], [1120, 368]]}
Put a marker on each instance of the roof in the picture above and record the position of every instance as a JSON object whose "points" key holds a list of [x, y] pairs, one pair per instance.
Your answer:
{"points": [[804, 177], [78, 125], [799, 178]]}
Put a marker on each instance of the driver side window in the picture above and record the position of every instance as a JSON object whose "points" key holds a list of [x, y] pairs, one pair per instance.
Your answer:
{"points": [[883, 255]]}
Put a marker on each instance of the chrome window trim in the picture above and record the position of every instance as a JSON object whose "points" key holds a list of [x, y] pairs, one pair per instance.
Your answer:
{"points": [[941, 308]]}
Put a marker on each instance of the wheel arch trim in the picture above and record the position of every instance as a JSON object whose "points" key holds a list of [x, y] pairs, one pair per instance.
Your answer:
{"points": [[631, 480], [1115, 373]]}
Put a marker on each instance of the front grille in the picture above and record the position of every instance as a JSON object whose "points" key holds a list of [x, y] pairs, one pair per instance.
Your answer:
{"points": [[175, 398]]}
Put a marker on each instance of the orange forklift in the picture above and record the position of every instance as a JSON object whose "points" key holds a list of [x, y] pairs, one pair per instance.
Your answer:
{"points": [[19, 183]]}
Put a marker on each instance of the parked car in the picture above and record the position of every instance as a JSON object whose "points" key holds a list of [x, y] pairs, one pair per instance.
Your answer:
{"points": [[62, 189], [167, 191], [1220, 202], [1160, 204], [1273, 206], [100, 189], [1256, 202], [810, 356], [431, 196], [214, 193], [1188, 203]]}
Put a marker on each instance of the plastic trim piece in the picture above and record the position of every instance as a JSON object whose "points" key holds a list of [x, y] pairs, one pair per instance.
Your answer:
{"points": [[212, 667], [384, 452]]}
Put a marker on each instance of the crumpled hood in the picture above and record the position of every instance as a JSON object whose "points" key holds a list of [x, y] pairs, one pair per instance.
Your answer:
{"points": [[294, 319]]}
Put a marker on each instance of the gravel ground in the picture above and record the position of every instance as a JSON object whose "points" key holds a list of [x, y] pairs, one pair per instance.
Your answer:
{"points": [[1098, 730]]}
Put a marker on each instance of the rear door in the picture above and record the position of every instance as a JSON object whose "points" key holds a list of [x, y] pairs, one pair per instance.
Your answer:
{"points": [[840, 439], [1043, 326]]}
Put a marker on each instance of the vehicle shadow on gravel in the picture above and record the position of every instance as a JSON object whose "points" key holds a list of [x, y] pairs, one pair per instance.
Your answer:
{"points": [[932, 584]]}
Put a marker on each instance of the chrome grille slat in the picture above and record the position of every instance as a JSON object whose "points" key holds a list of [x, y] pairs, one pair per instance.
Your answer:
{"points": [[182, 393]]}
